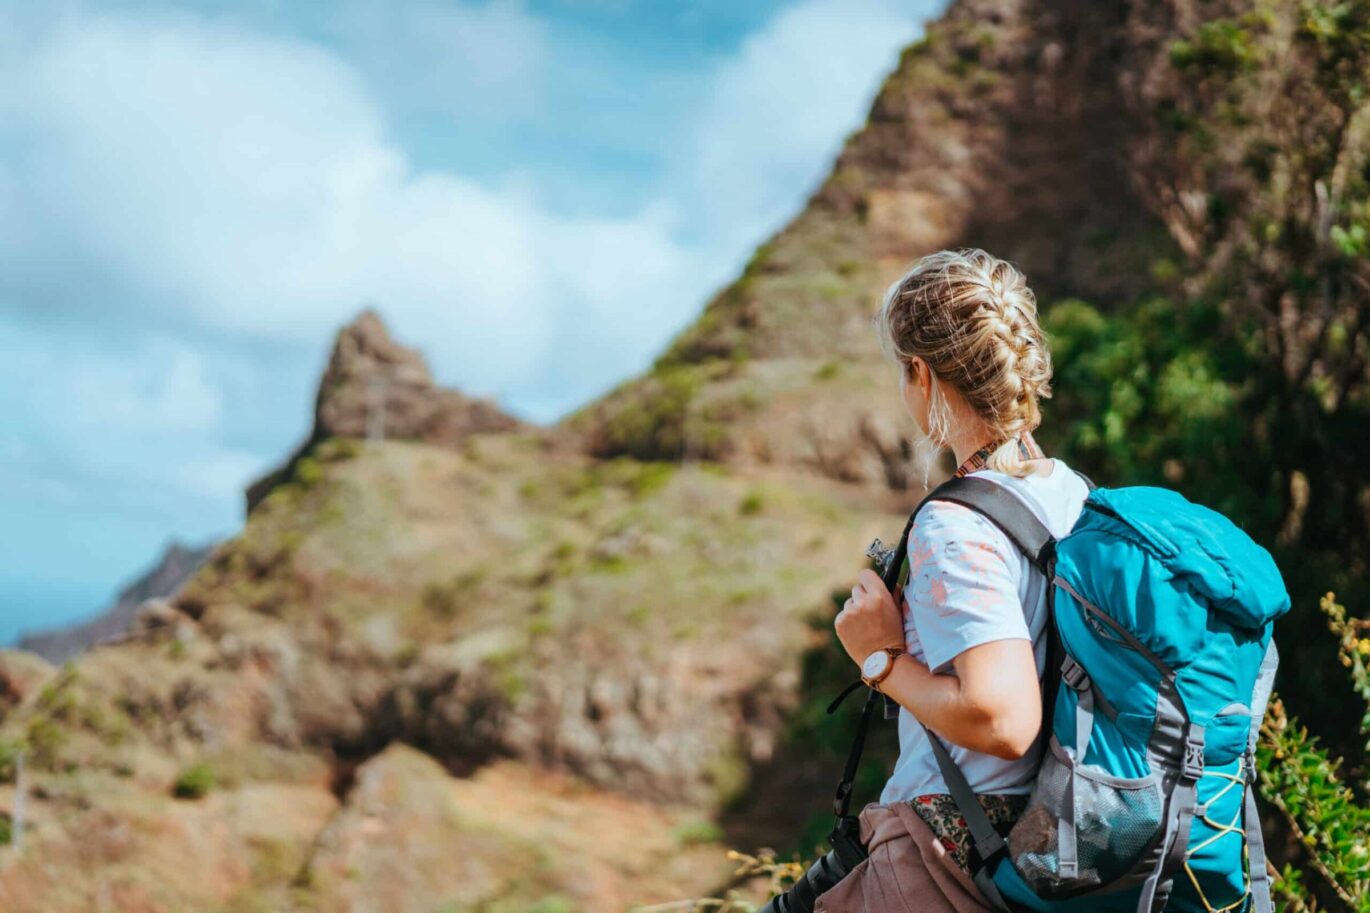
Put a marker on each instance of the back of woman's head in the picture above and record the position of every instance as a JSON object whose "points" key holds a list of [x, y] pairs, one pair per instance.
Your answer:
{"points": [[972, 318]]}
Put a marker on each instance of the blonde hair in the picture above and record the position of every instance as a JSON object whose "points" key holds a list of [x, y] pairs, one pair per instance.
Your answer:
{"points": [[972, 318]]}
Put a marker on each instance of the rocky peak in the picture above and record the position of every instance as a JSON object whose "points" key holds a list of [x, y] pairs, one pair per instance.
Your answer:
{"points": [[1012, 126], [376, 388]]}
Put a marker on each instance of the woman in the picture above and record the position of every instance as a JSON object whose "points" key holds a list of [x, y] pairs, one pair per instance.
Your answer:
{"points": [[962, 328]]}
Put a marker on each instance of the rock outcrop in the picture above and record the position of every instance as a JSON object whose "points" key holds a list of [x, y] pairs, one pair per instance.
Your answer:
{"points": [[376, 388]]}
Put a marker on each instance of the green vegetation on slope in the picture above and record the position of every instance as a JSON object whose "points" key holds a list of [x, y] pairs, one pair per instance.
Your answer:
{"points": [[1244, 379]]}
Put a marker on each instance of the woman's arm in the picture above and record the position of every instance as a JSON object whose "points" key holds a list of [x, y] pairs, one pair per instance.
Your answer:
{"points": [[963, 589], [992, 704]]}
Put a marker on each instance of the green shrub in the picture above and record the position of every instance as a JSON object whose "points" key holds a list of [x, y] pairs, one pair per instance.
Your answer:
{"points": [[552, 903], [1328, 823], [45, 738], [338, 449], [446, 599], [1332, 830], [828, 370], [649, 476], [195, 782], [308, 472], [1221, 45], [694, 832], [9, 759], [660, 418]]}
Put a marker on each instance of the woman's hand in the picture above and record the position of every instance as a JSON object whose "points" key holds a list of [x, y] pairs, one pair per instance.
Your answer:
{"points": [[869, 620]]}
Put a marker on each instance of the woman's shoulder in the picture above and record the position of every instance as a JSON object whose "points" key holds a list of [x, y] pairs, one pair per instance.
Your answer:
{"points": [[948, 532], [961, 566], [1057, 497]]}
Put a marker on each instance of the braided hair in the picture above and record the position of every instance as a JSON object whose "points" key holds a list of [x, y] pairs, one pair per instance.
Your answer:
{"points": [[973, 319]]}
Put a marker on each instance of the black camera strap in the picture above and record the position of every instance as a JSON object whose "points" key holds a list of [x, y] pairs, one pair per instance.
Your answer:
{"points": [[889, 575], [841, 802]]}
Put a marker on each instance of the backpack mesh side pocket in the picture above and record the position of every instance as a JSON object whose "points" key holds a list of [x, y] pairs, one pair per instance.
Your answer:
{"points": [[1116, 822]]}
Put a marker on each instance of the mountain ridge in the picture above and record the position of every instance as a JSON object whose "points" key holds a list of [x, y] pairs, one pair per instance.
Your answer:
{"points": [[175, 566], [999, 121]]}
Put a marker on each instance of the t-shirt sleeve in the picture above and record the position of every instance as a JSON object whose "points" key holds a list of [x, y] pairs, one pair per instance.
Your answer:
{"points": [[962, 587]]}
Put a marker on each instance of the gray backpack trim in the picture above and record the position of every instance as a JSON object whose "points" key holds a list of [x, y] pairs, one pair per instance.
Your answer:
{"points": [[1255, 840]]}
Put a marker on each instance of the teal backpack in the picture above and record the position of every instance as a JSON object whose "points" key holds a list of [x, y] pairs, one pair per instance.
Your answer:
{"points": [[1160, 618]]}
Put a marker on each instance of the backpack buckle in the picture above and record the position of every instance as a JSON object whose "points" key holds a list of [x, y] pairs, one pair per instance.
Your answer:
{"points": [[1193, 767], [1074, 674]]}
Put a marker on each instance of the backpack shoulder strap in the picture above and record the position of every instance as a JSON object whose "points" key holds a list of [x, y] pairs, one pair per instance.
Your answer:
{"points": [[1030, 535], [1002, 508]]}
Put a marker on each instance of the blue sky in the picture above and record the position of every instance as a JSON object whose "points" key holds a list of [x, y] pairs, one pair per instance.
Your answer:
{"points": [[193, 196]]}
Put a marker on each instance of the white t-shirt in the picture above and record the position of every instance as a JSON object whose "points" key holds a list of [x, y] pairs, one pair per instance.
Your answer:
{"points": [[968, 585]]}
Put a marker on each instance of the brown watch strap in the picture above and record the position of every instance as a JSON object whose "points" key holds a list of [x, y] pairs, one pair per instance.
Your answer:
{"points": [[895, 653]]}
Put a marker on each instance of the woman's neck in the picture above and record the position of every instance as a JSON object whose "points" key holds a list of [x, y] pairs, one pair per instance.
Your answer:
{"points": [[964, 447], [963, 450]]}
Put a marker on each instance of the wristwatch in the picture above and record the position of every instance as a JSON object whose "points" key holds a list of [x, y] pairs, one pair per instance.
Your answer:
{"points": [[877, 667]]}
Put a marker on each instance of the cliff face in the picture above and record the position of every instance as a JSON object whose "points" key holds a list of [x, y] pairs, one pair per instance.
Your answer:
{"points": [[1010, 126], [605, 627]]}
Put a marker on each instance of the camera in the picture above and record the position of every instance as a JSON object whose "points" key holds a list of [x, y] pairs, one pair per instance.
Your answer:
{"points": [[846, 853]]}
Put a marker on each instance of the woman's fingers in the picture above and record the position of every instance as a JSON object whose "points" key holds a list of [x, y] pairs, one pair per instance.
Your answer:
{"points": [[869, 619], [870, 584]]}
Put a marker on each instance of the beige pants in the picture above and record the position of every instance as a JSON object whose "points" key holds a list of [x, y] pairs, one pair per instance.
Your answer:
{"points": [[908, 870]]}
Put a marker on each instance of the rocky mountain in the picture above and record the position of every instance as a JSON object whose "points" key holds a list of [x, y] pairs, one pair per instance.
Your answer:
{"points": [[172, 570], [458, 663], [1012, 126]]}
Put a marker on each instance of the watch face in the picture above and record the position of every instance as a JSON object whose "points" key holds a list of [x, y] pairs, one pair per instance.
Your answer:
{"points": [[875, 664]]}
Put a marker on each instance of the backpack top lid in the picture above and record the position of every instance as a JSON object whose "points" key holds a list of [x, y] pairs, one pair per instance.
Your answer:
{"points": [[1219, 561]]}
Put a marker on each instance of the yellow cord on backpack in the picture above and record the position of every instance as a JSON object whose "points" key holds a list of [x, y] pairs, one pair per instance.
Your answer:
{"points": [[1223, 829]]}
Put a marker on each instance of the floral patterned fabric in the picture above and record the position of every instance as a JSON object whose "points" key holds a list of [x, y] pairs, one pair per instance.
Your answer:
{"points": [[940, 814]]}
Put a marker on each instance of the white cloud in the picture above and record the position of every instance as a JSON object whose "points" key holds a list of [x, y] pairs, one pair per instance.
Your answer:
{"points": [[778, 111], [218, 475], [246, 182], [165, 389], [191, 204], [108, 420], [189, 169]]}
